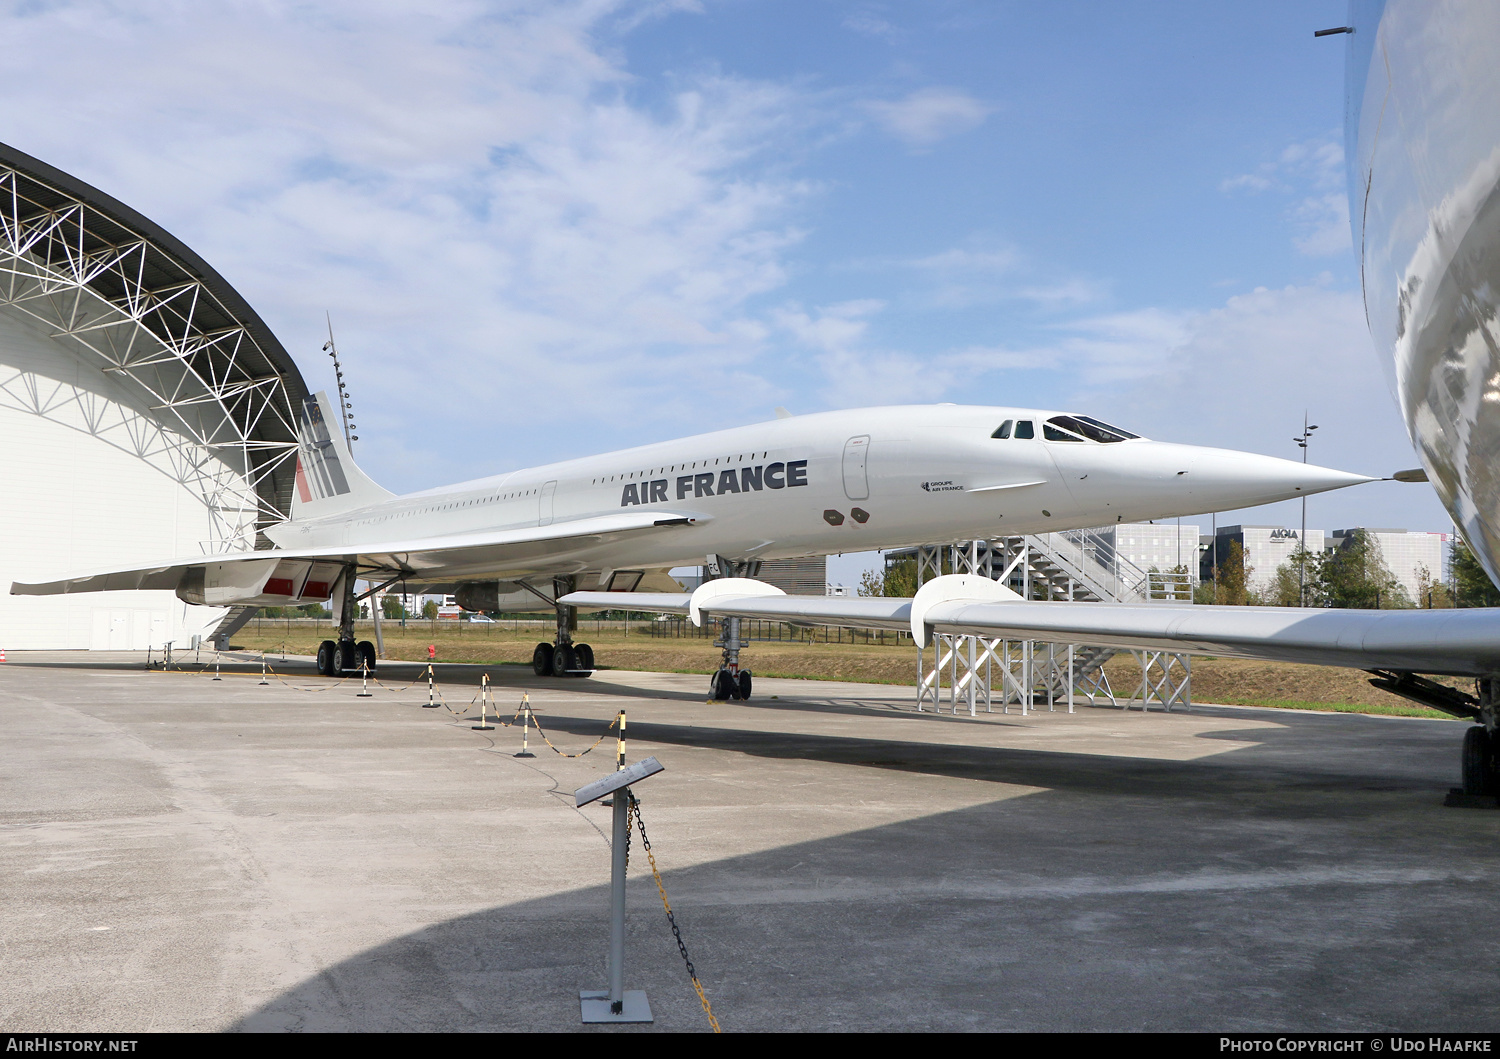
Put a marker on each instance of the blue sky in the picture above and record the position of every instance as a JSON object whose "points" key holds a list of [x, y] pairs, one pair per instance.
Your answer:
{"points": [[550, 229]]}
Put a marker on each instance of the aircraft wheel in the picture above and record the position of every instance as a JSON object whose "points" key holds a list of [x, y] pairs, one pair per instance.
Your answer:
{"points": [[541, 660], [1479, 777], [327, 653], [348, 657], [724, 686], [367, 656], [585, 657], [744, 682], [563, 659]]}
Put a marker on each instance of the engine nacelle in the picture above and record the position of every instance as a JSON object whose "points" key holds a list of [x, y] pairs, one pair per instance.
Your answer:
{"points": [[258, 582], [485, 595]]}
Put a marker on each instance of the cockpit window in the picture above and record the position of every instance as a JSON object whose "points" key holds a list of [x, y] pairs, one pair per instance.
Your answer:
{"points": [[1123, 434], [1003, 430], [1079, 427], [1024, 429]]}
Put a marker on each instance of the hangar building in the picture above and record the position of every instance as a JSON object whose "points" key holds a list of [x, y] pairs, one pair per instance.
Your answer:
{"points": [[145, 413]]}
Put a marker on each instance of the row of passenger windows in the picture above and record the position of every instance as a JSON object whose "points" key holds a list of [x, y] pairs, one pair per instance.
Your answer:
{"points": [[633, 476], [1064, 428], [455, 504]]}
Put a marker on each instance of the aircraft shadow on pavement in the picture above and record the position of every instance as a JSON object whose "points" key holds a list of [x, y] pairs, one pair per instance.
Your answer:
{"points": [[1098, 904]]}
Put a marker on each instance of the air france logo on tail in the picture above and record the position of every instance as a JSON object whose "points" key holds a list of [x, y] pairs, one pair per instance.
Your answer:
{"points": [[743, 480], [319, 474]]}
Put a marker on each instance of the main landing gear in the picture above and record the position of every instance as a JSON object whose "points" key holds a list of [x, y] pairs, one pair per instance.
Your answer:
{"points": [[345, 657], [730, 682], [1481, 751], [563, 658], [1479, 762]]}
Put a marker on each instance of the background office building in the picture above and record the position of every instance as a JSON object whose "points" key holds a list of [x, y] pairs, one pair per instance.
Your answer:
{"points": [[1265, 548], [1407, 554], [1163, 545]]}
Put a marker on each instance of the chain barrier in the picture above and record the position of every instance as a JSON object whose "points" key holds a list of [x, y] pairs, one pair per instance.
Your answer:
{"points": [[635, 805], [580, 753]]}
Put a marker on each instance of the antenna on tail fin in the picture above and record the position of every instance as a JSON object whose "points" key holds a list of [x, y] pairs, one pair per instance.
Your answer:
{"points": [[346, 409]]}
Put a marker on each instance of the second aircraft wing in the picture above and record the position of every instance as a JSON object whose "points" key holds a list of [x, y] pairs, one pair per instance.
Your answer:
{"points": [[1448, 642]]}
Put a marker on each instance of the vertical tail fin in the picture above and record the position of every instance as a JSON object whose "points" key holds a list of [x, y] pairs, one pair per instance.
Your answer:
{"points": [[328, 480]]}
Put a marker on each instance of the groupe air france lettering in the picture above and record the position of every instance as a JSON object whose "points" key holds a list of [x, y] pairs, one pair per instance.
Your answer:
{"points": [[787, 475]]}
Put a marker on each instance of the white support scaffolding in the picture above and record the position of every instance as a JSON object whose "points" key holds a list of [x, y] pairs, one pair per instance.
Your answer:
{"points": [[1032, 675]]}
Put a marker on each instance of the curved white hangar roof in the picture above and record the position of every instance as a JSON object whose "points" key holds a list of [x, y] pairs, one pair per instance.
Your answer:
{"points": [[144, 408]]}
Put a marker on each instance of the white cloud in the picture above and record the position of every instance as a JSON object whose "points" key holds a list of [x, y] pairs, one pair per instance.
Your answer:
{"points": [[1313, 171], [1323, 221], [503, 237], [870, 24], [1242, 376], [929, 115]]}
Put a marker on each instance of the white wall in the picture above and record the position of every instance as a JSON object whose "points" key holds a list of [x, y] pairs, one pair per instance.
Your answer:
{"points": [[82, 490]]}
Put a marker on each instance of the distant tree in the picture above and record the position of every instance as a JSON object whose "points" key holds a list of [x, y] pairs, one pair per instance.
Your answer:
{"points": [[1431, 594], [900, 579], [391, 607], [1354, 575], [430, 609], [364, 611], [1285, 589], [1475, 589], [1232, 576], [897, 579]]}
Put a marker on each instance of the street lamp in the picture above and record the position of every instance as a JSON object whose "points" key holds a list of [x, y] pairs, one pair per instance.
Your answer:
{"points": [[1302, 440]]}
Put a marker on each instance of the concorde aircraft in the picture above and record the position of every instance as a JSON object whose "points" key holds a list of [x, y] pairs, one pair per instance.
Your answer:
{"points": [[798, 485], [1423, 154]]}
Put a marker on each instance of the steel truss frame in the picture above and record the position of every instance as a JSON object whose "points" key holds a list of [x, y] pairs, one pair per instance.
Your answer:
{"points": [[212, 395], [1031, 673]]}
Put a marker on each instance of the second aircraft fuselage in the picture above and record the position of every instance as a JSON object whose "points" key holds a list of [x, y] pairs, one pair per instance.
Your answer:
{"points": [[856, 480]]}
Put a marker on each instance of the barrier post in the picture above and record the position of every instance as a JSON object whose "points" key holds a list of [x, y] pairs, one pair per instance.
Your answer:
{"points": [[216, 663], [525, 724], [264, 683], [484, 691], [364, 679], [620, 745], [430, 704]]}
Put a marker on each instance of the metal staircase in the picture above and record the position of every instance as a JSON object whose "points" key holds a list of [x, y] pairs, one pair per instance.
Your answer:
{"points": [[231, 623]]}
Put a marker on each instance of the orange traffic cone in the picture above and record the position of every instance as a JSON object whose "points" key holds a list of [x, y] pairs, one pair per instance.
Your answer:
{"points": [[2, 654]]}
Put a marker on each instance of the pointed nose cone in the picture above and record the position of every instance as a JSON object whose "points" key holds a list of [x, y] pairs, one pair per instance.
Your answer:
{"points": [[1220, 479]]}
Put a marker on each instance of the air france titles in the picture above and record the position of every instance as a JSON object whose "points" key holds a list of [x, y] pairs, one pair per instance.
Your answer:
{"points": [[787, 475]]}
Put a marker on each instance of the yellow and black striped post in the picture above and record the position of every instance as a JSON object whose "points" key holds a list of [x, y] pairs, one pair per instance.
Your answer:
{"points": [[525, 724]]}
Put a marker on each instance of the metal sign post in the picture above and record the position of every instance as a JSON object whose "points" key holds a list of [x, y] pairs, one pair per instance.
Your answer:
{"points": [[617, 1004]]}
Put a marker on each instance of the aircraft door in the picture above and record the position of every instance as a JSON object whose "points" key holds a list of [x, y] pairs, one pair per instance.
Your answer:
{"points": [[544, 513], [856, 475]]}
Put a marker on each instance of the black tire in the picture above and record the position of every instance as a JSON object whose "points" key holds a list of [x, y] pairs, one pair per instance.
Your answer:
{"points": [[348, 657], [367, 655], [1479, 776], [541, 660], [563, 659], [327, 655], [585, 657], [744, 685], [723, 685]]}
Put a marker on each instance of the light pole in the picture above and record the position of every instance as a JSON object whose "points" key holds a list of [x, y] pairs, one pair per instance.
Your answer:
{"points": [[1302, 440]]}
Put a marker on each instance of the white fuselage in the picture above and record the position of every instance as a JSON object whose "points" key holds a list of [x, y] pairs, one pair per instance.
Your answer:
{"points": [[856, 480]]}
